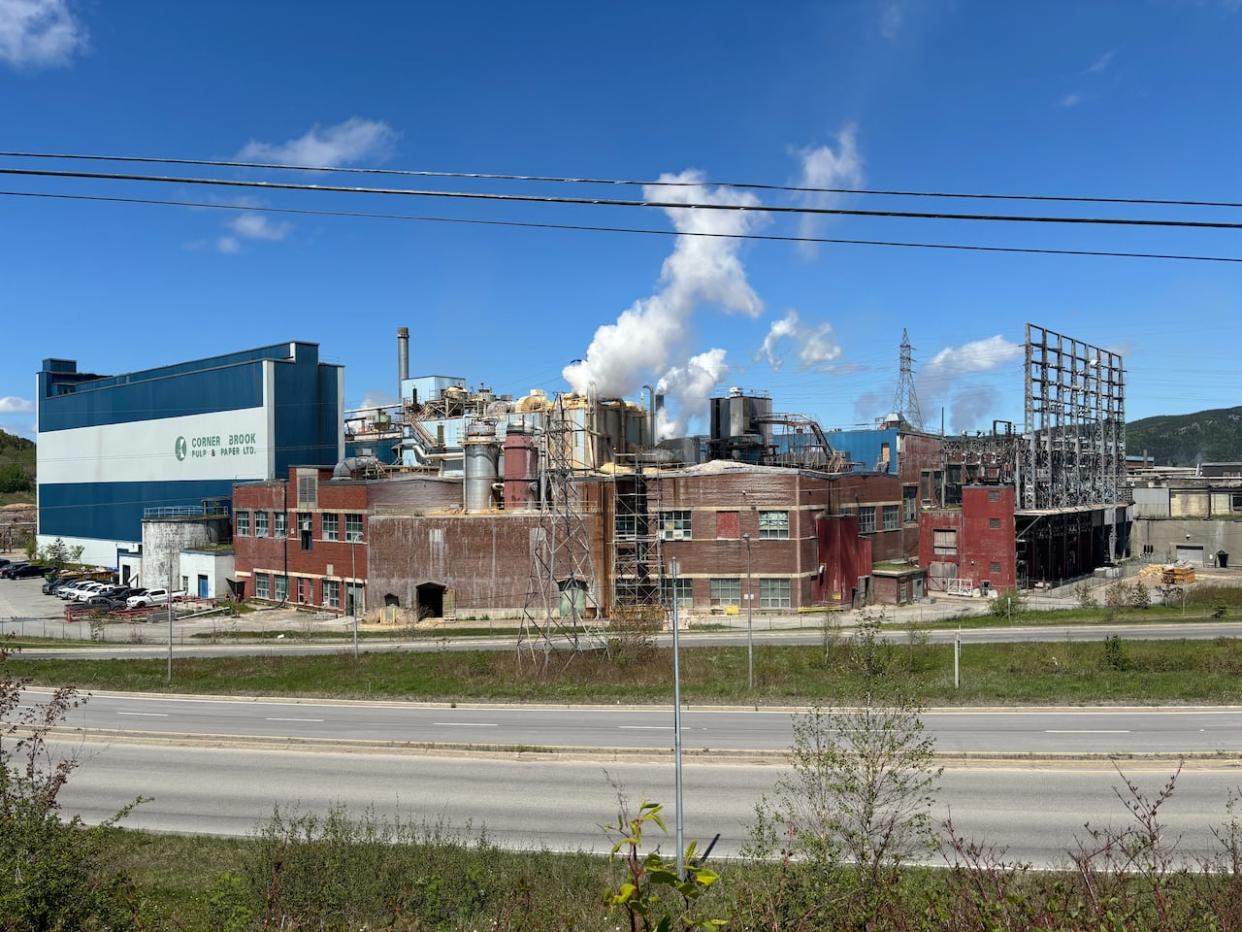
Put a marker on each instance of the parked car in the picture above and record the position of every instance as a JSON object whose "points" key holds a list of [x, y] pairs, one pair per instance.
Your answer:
{"points": [[81, 591], [104, 603], [4, 562], [56, 583], [154, 597], [8, 571], [29, 571], [68, 589]]}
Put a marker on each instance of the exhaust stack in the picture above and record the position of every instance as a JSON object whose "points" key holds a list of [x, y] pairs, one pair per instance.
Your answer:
{"points": [[403, 356]]}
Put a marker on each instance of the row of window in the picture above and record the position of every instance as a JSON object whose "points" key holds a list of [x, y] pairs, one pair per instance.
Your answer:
{"points": [[277, 523], [773, 593], [275, 588], [678, 525], [890, 516]]}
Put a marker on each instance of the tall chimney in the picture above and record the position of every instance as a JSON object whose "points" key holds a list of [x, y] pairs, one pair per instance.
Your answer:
{"points": [[403, 356]]}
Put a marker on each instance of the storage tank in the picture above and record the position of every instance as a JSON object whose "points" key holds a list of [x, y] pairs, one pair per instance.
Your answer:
{"points": [[737, 428], [481, 452], [521, 470]]}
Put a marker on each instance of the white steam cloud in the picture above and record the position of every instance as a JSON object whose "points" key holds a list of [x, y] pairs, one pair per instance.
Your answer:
{"points": [[815, 345], [826, 167], [939, 382], [700, 270], [689, 386]]}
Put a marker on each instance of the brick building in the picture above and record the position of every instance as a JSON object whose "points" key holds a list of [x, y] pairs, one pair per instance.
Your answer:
{"points": [[973, 543]]}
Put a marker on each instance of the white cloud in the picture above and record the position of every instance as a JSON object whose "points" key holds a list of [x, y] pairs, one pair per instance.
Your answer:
{"points": [[687, 388], [1102, 63], [939, 382], [890, 21], [815, 346], [976, 356], [228, 244], [377, 398], [700, 270], [1070, 100], [39, 33], [258, 226], [345, 143], [11, 404], [825, 167]]}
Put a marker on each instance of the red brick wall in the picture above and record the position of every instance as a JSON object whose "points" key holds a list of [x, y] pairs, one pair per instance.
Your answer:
{"points": [[984, 551]]}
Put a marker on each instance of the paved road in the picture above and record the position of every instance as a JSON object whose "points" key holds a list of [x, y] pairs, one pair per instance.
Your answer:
{"points": [[1035, 813], [999, 731], [996, 635]]}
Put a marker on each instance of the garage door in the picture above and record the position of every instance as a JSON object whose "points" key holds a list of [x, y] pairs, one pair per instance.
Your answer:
{"points": [[1192, 555]]}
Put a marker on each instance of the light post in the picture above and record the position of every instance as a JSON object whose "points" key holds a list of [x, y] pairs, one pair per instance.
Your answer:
{"points": [[680, 816], [169, 593], [353, 589], [750, 622]]}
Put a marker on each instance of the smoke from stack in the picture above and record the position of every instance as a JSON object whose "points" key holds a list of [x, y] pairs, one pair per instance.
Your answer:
{"points": [[700, 270]]}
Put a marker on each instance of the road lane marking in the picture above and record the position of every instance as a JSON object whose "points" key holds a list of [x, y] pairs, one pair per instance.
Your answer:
{"points": [[295, 720], [1086, 731], [146, 714], [646, 727], [467, 724]]}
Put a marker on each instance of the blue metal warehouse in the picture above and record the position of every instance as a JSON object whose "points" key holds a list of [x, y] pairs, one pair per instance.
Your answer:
{"points": [[111, 448]]}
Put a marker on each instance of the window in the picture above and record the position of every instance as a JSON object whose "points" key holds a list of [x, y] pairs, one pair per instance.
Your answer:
{"points": [[994, 523], [774, 593], [994, 496], [306, 528], [892, 517], [728, 525], [944, 542], [308, 488], [355, 603], [280, 521], [331, 594], [866, 520], [282, 588], [726, 592], [262, 583], [353, 529], [625, 527], [684, 592], [675, 525], [910, 504], [331, 527], [243, 524], [1236, 501], [185, 583], [260, 524], [306, 591], [774, 525], [994, 568]]}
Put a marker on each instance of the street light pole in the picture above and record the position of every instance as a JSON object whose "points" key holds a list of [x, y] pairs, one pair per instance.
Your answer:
{"points": [[169, 592], [750, 622], [353, 589], [680, 815]]}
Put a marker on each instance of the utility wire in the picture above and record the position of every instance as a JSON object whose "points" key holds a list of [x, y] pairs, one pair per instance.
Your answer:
{"points": [[618, 202], [554, 179], [474, 221]]}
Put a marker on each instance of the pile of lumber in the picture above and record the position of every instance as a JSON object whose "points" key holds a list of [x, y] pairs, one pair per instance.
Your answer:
{"points": [[1177, 575]]}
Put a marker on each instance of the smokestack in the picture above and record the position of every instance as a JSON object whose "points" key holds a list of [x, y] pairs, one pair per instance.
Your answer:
{"points": [[403, 356]]}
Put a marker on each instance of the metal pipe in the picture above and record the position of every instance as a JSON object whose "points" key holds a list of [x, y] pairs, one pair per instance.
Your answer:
{"points": [[681, 847], [651, 416], [403, 356]]}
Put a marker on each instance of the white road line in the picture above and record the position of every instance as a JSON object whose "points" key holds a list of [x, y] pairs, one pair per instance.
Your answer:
{"points": [[646, 727], [467, 724], [295, 720], [1086, 731], [146, 714]]}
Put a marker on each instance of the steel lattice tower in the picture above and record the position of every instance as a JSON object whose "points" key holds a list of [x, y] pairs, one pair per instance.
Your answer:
{"points": [[906, 401]]}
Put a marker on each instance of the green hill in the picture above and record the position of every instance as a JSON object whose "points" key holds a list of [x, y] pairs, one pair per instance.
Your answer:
{"points": [[17, 468], [1186, 439]]}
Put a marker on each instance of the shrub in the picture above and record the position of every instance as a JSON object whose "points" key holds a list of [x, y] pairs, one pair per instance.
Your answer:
{"points": [[1114, 656], [1140, 597], [1007, 604], [1084, 595]]}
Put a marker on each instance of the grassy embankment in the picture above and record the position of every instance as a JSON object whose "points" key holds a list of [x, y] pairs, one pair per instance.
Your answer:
{"points": [[1208, 671]]}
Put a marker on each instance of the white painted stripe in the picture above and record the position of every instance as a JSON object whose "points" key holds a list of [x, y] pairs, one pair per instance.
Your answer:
{"points": [[648, 727], [467, 724], [1086, 731], [295, 720], [147, 714]]}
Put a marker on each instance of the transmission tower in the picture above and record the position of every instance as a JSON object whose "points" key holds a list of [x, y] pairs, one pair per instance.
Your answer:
{"points": [[561, 614], [906, 401]]}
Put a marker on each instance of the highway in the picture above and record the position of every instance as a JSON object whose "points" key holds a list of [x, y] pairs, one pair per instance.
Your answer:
{"points": [[1001, 634], [1036, 813], [996, 731]]}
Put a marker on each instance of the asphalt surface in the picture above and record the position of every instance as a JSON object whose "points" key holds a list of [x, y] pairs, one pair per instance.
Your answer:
{"points": [[1035, 731], [1154, 631], [523, 804]]}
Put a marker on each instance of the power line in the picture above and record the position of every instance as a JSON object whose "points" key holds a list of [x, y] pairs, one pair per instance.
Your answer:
{"points": [[588, 228], [556, 179], [623, 202]]}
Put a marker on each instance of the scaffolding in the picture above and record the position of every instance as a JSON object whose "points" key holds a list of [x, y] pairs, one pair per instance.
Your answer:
{"points": [[799, 441], [1074, 448], [561, 614]]}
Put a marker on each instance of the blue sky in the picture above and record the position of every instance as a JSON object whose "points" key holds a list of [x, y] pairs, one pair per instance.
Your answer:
{"points": [[1127, 99]]}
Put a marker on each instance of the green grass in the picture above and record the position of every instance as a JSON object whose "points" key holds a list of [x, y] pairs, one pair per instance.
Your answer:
{"points": [[1152, 672]]}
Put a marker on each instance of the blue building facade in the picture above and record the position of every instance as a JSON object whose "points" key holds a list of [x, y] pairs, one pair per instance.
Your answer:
{"points": [[112, 447]]}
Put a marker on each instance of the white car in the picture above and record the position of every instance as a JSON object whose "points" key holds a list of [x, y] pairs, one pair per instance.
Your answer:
{"points": [[74, 592], [85, 592], [154, 597]]}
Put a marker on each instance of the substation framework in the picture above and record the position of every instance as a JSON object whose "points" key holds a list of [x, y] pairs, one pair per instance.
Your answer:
{"points": [[561, 614]]}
